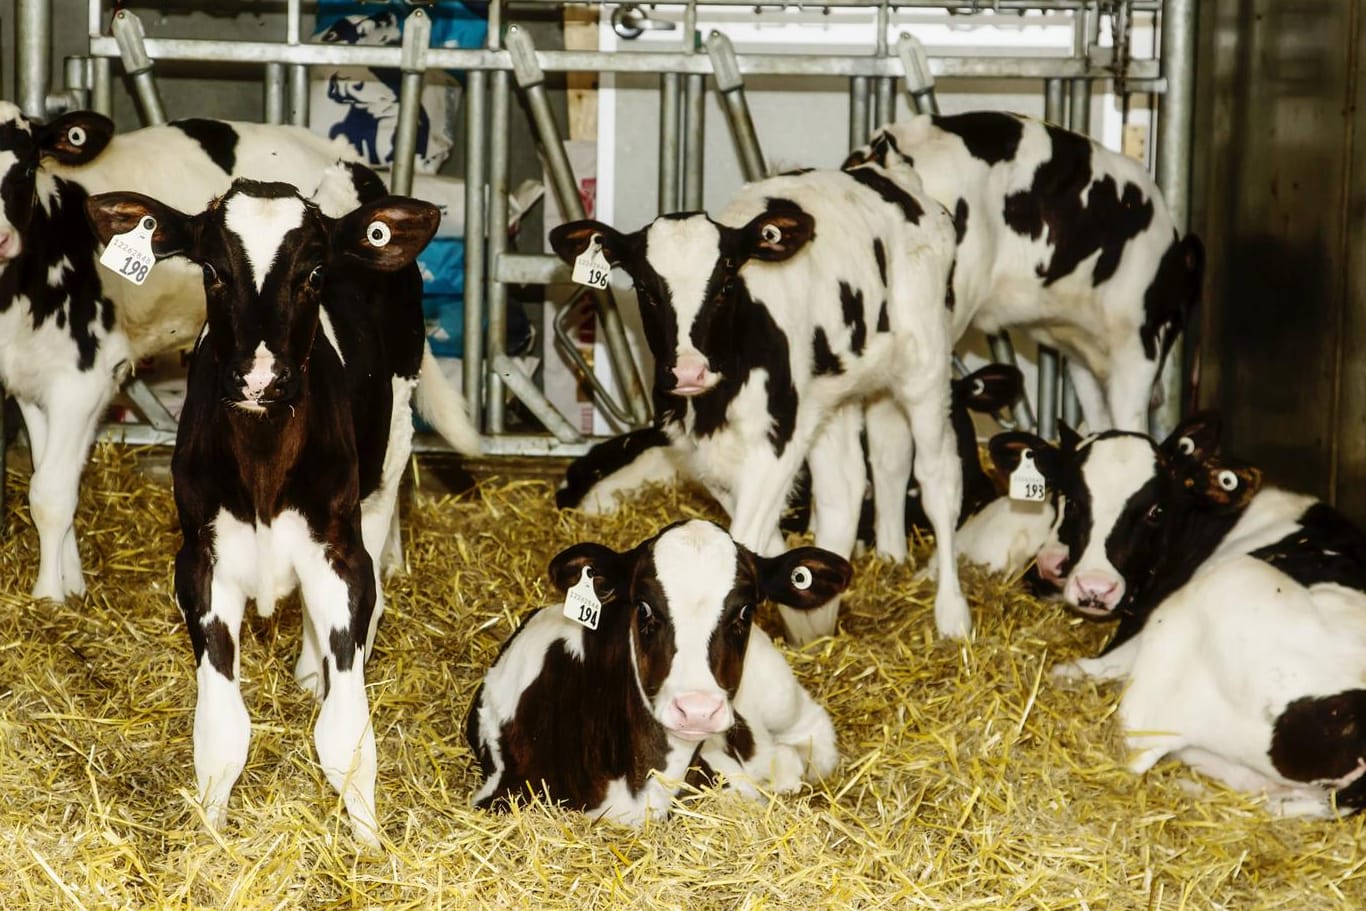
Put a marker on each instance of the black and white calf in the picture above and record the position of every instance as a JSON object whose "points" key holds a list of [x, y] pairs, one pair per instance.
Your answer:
{"points": [[673, 677], [1061, 239], [71, 329], [1242, 612], [770, 326], [296, 429]]}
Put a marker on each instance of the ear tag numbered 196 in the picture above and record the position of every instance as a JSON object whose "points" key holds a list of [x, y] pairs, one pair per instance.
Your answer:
{"points": [[591, 267], [581, 602], [1026, 481], [130, 254]]}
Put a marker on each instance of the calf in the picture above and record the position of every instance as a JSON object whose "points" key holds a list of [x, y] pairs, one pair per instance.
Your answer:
{"points": [[296, 429], [770, 326], [609, 718], [1062, 239], [69, 328], [1242, 636]]}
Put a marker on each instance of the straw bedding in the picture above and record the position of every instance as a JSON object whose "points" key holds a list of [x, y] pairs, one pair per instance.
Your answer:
{"points": [[970, 778]]}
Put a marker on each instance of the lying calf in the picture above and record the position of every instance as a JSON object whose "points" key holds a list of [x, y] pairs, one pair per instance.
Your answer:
{"points": [[1243, 630], [608, 714]]}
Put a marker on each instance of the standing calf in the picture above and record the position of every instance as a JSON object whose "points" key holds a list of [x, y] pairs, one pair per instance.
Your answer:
{"points": [[610, 720], [296, 430], [70, 330], [770, 326], [1062, 239]]}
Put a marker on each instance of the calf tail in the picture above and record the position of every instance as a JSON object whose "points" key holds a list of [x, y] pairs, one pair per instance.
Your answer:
{"points": [[442, 407]]}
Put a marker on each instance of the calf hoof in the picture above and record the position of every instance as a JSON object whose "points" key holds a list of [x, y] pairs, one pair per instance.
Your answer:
{"points": [[310, 680], [47, 591]]}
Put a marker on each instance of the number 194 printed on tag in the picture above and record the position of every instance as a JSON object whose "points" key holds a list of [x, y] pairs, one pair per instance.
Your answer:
{"points": [[581, 602], [591, 267], [130, 254]]}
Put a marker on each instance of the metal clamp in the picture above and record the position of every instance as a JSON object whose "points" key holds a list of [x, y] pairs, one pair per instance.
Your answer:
{"points": [[919, 80], [630, 21], [726, 70], [132, 42], [417, 37]]}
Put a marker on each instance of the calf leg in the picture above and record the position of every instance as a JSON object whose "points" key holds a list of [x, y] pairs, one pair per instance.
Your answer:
{"points": [[889, 455], [941, 483], [1129, 388], [1091, 397], [339, 597], [213, 610]]}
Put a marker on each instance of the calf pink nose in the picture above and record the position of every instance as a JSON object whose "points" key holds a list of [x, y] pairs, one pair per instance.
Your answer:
{"points": [[690, 373], [697, 712], [1097, 588], [1049, 562], [9, 245]]}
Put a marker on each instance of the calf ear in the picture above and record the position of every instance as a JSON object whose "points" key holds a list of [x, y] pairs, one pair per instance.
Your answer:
{"points": [[119, 213], [777, 235], [1007, 449], [803, 578], [75, 138], [1195, 438], [386, 234], [991, 388], [605, 566], [1221, 484], [570, 240]]}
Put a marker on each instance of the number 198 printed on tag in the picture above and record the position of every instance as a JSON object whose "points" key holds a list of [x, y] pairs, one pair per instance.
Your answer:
{"points": [[130, 254]]}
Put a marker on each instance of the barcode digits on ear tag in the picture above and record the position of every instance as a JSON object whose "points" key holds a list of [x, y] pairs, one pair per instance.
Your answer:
{"points": [[130, 255]]}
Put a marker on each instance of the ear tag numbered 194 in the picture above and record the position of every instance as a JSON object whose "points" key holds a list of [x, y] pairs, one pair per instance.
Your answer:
{"points": [[591, 267], [1026, 481], [581, 602], [130, 254]]}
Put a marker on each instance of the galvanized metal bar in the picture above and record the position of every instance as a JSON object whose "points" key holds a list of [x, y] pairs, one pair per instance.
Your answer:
{"points": [[1048, 362], [564, 343], [1054, 102], [1143, 74], [298, 94], [522, 386], [77, 74], [151, 407], [670, 92], [274, 91], [496, 299], [33, 55], [530, 269], [1173, 159], [919, 79], [102, 86], [476, 169], [1003, 352], [417, 37], [1086, 39], [859, 99], [730, 86], [137, 63], [694, 140], [531, 80]]}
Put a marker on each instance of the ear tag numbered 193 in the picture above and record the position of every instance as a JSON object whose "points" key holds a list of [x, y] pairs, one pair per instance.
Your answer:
{"points": [[130, 254], [591, 267], [1026, 481], [581, 602]]}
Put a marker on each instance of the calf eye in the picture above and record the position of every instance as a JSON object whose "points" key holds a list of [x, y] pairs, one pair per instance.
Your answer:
{"points": [[1153, 514], [210, 273], [1228, 480], [645, 614], [746, 614], [315, 278]]}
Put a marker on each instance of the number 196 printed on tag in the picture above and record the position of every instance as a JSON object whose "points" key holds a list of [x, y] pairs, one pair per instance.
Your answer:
{"points": [[591, 267]]}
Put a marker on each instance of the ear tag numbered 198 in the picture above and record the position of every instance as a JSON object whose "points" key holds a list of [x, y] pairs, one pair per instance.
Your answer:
{"points": [[591, 267], [1026, 481], [581, 602], [130, 254]]}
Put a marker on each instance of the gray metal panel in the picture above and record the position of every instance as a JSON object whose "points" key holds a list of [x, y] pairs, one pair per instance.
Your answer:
{"points": [[1275, 160]]}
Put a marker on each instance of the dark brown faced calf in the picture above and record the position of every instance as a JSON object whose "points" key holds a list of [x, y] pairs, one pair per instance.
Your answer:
{"points": [[295, 431]]}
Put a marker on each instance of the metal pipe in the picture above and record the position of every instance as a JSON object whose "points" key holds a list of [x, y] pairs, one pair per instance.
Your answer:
{"points": [[476, 137], [510, 372], [859, 98], [1087, 36], [102, 86], [694, 140], [1173, 158], [670, 90], [77, 71], [274, 89], [1046, 396], [33, 55], [731, 88], [919, 80], [1054, 102], [417, 35], [495, 342], [298, 94], [132, 45]]}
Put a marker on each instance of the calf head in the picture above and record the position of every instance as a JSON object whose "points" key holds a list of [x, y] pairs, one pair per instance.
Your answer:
{"points": [[1126, 506], [72, 139], [686, 268], [685, 601], [267, 253]]}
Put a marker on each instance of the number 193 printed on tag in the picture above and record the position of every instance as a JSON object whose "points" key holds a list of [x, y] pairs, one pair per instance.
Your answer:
{"points": [[1026, 481]]}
